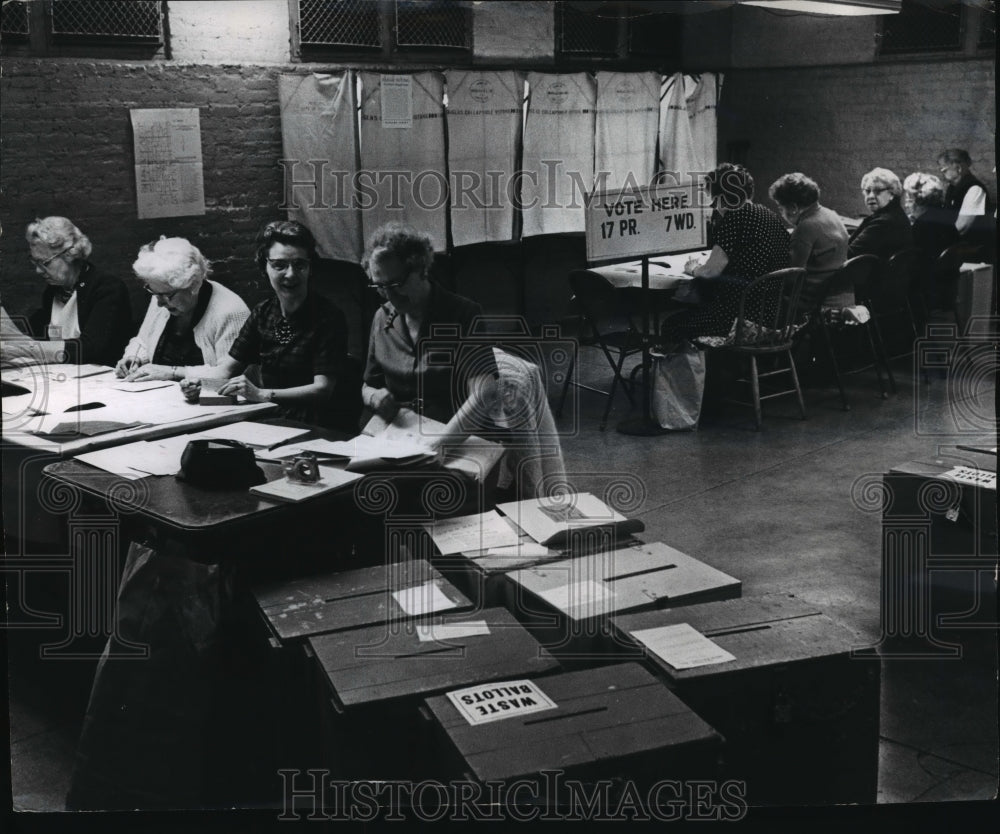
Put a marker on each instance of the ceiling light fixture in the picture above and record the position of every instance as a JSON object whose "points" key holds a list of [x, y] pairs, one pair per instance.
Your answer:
{"points": [[830, 7]]}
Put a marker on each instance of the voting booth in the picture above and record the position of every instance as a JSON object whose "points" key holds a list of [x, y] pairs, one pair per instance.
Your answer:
{"points": [[777, 678]]}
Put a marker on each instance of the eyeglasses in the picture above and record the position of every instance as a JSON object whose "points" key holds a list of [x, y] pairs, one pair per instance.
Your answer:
{"points": [[387, 286], [297, 264], [45, 264], [165, 296], [873, 190]]}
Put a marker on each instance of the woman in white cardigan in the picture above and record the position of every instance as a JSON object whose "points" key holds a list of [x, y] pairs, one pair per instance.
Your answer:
{"points": [[191, 321]]}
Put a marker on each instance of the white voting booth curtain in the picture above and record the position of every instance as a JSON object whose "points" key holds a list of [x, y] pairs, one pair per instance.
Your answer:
{"points": [[558, 163], [627, 114], [403, 165], [484, 140], [688, 124], [320, 150]]}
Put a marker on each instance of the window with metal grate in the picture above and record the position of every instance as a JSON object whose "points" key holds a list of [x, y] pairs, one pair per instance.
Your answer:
{"points": [[988, 26], [582, 33], [352, 23], [923, 26], [432, 23], [14, 19], [108, 19]]}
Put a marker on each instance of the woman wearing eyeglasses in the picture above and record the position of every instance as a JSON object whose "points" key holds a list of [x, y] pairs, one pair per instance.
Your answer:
{"points": [[400, 372], [190, 321], [886, 230], [297, 338], [85, 315]]}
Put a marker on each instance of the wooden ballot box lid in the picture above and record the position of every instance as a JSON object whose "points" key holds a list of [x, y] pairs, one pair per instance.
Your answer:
{"points": [[601, 717], [379, 663], [757, 631], [356, 598], [630, 579]]}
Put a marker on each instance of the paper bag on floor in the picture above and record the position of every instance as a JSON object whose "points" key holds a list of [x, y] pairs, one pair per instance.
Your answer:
{"points": [[678, 388]]}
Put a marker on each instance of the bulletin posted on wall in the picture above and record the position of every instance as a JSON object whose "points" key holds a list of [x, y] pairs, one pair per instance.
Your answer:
{"points": [[169, 179]]}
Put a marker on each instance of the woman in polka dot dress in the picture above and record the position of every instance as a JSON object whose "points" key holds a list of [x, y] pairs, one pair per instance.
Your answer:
{"points": [[750, 241]]}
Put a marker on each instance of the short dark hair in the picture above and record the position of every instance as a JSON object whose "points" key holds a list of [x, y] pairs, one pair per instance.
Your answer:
{"points": [[731, 182], [289, 232], [406, 244], [794, 190], [955, 155]]}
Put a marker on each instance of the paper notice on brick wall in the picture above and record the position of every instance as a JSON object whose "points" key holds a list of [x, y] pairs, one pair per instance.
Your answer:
{"points": [[397, 101], [169, 180]]}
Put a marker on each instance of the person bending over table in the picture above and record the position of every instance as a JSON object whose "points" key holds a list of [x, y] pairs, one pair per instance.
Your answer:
{"points": [[933, 232], [750, 241], [818, 241], [399, 371], [190, 320], [85, 315], [297, 337], [886, 230]]}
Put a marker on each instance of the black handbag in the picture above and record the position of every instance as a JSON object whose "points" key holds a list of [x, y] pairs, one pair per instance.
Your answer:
{"points": [[219, 464]]}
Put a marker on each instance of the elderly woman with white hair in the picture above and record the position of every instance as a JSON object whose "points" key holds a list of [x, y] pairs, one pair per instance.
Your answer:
{"points": [[191, 321], [886, 230], [85, 315]]}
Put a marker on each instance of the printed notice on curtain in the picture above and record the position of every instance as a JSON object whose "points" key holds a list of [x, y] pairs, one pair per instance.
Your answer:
{"points": [[397, 100], [169, 179]]}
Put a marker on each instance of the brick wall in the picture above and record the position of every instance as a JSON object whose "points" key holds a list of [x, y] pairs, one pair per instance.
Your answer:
{"points": [[836, 123], [67, 149]]}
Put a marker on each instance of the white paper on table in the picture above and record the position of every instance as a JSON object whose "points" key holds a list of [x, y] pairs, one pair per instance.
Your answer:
{"points": [[682, 646], [117, 460], [254, 434], [582, 599], [81, 371], [138, 387], [422, 599], [471, 532], [451, 631], [523, 550]]}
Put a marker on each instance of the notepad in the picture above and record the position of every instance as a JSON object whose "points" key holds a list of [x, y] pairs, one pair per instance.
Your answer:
{"points": [[471, 532], [549, 519]]}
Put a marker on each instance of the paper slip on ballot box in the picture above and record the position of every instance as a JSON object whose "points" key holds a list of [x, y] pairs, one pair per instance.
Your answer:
{"points": [[776, 677], [616, 723], [296, 609], [568, 604], [374, 680]]}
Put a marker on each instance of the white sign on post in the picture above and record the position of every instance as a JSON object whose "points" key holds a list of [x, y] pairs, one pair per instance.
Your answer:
{"points": [[651, 220]]}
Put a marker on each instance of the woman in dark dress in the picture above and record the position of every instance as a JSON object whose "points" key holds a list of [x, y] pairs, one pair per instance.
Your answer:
{"points": [[296, 337], [886, 230], [85, 315], [750, 241], [933, 232]]}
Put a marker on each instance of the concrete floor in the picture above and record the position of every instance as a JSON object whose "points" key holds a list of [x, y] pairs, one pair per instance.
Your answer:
{"points": [[783, 509]]}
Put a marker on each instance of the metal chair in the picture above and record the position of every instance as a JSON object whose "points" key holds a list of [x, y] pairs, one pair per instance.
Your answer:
{"points": [[604, 325], [769, 317], [856, 272]]}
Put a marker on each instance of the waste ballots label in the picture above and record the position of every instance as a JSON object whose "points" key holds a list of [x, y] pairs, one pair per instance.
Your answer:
{"points": [[488, 702]]}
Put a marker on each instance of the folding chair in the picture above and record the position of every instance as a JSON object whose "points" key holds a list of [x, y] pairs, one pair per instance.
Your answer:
{"points": [[602, 323], [769, 316]]}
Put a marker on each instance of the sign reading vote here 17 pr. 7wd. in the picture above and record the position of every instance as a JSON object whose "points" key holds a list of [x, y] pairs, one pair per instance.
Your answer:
{"points": [[653, 220]]}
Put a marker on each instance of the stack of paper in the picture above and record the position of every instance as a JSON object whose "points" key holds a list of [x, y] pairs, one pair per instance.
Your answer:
{"points": [[547, 520]]}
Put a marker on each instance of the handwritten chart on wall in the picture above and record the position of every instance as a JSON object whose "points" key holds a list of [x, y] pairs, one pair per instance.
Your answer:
{"points": [[169, 180]]}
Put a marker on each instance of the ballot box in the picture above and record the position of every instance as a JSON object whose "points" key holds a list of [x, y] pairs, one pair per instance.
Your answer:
{"points": [[612, 727], [292, 610], [777, 678], [373, 680], [568, 604]]}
